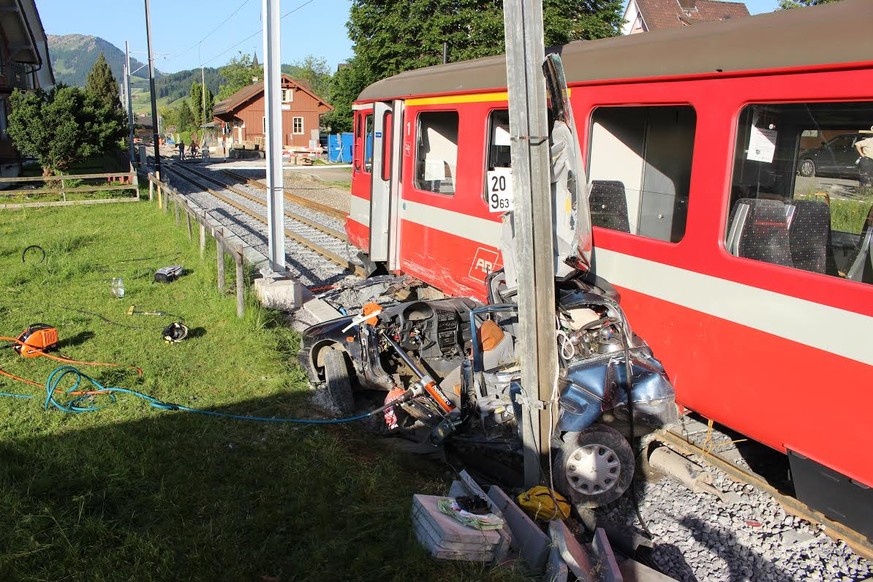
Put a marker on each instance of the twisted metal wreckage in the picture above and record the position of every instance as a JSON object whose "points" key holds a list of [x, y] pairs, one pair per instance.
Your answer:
{"points": [[451, 368]]}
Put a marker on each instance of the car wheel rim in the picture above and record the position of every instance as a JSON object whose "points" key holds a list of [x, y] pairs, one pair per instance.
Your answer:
{"points": [[593, 469]]}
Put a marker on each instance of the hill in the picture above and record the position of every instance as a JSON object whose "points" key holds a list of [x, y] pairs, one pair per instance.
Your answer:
{"points": [[73, 55]]}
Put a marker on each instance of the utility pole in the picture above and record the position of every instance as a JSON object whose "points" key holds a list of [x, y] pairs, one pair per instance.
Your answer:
{"points": [[154, 97], [532, 223], [129, 100], [203, 95], [273, 143]]}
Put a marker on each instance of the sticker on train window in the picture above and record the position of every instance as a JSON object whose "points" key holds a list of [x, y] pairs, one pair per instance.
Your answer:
{"points": [[762, 145], [499, 190]]}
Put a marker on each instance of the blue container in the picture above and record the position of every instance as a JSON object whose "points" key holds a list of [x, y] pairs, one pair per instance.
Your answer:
{"points": [[339, 147]]}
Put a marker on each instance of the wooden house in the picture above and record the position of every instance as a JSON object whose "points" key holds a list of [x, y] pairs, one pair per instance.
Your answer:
{"points": [[647, 15], [242, 117], [24, 64]]}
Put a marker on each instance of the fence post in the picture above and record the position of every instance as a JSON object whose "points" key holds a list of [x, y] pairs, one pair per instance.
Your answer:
{"points": [[240, 285], [152, 192], [219, 251], [202, 240], [188, 222], [176, 209]]}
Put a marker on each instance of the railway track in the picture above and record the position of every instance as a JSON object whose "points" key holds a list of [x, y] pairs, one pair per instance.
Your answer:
{"points": [[721, 451], [318, 234], [293, 198]]}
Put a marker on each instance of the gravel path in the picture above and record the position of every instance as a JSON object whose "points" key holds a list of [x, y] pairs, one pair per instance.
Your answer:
{"points": [[699, 537]]}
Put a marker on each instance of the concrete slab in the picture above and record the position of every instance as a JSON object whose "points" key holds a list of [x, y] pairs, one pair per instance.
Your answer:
{"points": [[282, 294], [527, 537], [321, 310], [572, 552], [633, 571], [556, 567], [448, 539], [606, 564]]}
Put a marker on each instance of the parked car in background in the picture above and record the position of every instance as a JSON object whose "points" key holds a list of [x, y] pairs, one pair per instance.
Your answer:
{"points": [[837, 158]]}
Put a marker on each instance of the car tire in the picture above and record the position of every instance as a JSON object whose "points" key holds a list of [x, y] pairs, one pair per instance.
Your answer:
{"points": [[594, 467], [338, 381], [807, 168]]}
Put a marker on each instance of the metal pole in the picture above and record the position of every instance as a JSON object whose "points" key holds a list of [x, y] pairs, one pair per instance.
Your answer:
{"points": [[152, 88], [532, 222], [273, 145], [203, 97], [129, 100]]}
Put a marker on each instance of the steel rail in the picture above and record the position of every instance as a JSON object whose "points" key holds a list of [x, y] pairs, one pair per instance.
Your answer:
{"points": [[293, 215], [858, 542], [311, 204], [326, 253]]}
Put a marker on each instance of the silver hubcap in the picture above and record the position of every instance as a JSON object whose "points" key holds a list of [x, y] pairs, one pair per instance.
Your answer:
{"points": [[593, 469]]}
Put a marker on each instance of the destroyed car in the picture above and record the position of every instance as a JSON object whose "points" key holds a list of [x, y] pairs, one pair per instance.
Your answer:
{"points": [[448, 369], [451, 368]]}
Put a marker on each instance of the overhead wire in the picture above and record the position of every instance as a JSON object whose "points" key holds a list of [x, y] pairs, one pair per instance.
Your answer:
{"points": [[223, 22], [254, 34]]}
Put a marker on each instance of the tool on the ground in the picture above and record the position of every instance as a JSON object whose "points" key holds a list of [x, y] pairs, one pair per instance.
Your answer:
{"points": [[36, 339], [33, 248], [175, 332], [132, 310], [168, 274]]}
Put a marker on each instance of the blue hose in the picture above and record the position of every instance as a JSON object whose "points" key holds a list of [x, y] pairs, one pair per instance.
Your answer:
{"points": [[82, 402]]}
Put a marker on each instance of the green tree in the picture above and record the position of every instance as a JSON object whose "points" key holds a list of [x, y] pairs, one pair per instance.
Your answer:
{"points": [[196, 96], [392, 36], [314, 72], [52, 126], [185, 116], [346, 85], [788, 4], [201, 116], [238, 73], [108, 122]]}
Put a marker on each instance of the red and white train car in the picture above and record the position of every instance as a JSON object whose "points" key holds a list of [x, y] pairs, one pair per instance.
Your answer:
{"points": [[741, 246]]}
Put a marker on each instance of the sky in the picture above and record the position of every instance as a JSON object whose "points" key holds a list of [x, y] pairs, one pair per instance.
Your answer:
{"points": [[189, 33]]}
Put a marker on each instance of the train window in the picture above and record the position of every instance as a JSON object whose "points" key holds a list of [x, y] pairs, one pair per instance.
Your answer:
{"points": [[387, 134], [498, 140], [436, 157], [802, 188], [640, 169], [368, 147]]}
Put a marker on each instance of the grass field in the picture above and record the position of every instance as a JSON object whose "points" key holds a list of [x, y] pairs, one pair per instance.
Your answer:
{"points": [[134, 493]]}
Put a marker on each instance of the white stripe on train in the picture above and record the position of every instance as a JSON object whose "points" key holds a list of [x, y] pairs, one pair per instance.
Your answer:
{"points": [[819, 326]]}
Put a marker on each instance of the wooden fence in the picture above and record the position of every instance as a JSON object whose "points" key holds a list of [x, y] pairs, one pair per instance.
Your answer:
{"points": [[55, 185], [223, 245]]}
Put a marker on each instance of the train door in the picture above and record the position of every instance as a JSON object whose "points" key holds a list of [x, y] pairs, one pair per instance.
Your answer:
{"points": [[358, 222], [385, 181]]}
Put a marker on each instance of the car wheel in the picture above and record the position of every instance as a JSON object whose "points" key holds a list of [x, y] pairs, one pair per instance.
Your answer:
{"points": [[807, 168], [338, 381], [595, 466]]}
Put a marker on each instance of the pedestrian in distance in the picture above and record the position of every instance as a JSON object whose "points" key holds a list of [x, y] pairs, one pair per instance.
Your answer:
{"points": [[181, 150]]}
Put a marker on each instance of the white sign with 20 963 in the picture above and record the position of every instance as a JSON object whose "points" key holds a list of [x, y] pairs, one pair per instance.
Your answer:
{"points": [[499, 190]]}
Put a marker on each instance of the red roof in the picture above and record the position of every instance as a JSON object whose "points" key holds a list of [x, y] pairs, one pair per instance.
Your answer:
{"points": [[254, 90], [661, 14]]}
